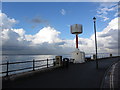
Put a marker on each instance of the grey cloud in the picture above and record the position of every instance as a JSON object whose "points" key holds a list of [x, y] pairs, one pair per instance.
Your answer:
{"points": [[44, 48], [35, 21], [61, 43], [38, 20], [14, 46], [113, 45], [82, 43], [100, 44], [110, 33]]}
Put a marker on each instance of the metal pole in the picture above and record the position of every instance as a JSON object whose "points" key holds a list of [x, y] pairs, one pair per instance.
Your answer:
{"points": [[33, 65], [7, 68], [47, 63], [76, 40], [53, 62], [95, 44]]}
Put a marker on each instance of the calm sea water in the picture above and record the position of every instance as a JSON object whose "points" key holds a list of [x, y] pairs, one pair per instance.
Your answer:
{"points": [[20, 58]]}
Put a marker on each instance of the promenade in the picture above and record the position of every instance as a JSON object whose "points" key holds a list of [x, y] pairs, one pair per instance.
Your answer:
{"points": [[83, 75], [112, 77]]}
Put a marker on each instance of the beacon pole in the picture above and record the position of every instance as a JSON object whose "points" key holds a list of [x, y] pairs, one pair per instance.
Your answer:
{"points": [[77, 41]]}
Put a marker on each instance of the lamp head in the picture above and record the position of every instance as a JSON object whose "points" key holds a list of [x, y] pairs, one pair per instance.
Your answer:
{"points": [[94, 19]]}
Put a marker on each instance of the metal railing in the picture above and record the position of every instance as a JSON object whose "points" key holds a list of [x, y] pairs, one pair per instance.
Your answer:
{"points": [[33, 66]]}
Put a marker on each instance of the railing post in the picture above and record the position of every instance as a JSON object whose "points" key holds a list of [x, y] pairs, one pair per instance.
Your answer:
{"points": [[7, 68], [47, 63], [53, 62], [33, 65]]}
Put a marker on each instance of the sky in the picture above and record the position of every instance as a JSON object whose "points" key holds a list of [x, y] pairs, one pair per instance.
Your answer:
{"points": [[44, 27]]}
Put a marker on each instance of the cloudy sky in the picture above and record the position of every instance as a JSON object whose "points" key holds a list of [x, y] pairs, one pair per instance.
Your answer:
{"points": [[44, 27]]}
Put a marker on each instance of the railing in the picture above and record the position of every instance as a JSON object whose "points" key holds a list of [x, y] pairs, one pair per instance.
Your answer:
{"points": [[33, 66]]}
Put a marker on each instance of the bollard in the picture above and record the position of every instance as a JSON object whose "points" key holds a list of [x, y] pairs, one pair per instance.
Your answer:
{"points": [[110, 55], [58, 60], [65, 62], [94, 56]]}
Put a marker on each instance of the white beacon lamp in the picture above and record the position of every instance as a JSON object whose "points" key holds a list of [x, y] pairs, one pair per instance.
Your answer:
{"points": [[77, 55]]}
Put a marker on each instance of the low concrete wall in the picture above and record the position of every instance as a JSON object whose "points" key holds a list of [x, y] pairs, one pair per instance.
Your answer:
{"points": [[27, 74]]}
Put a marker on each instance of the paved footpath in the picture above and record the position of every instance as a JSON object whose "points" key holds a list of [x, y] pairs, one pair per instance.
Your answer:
{"points": [[112, 77], [75, 76]]}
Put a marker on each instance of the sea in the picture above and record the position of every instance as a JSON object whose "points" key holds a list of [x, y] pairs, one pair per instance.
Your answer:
{"points": [[21, 58]]}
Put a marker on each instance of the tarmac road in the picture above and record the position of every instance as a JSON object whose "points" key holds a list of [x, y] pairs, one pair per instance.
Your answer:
{"points": [[75, 76]]}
